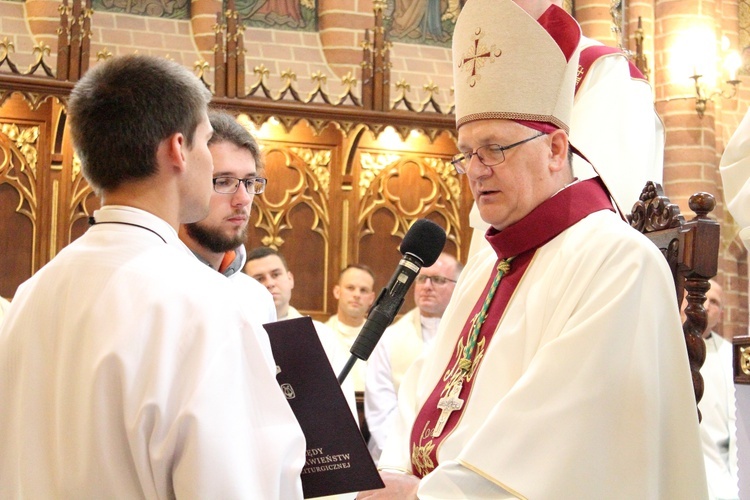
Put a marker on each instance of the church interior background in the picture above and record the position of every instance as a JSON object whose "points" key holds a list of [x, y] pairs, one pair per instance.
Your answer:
{"points": [[352, 103]]}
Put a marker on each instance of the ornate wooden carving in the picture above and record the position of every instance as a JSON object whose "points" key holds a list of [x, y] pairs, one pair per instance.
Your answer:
{"points": [[324, 207], [742, 360], [73, 39], [692, 252]]}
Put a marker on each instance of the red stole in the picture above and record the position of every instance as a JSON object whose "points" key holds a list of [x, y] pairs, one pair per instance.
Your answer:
{"points": [[519, 240]]}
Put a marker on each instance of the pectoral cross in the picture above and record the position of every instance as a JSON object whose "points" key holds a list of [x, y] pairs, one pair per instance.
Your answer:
{"points": [[448, 404]]}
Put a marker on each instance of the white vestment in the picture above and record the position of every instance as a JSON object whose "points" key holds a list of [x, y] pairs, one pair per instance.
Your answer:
{"points": [[735, 175], [394, 353], [345, 335], [131, 370], [584, 392], [718, 426], [615, 125], [256, 299]]}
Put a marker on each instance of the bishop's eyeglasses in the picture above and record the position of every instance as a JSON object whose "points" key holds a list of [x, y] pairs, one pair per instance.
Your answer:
{"points": [[489, 155], [230, 185], [435, 280]]}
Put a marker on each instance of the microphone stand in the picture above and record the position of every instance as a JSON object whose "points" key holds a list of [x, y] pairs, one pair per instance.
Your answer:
{"points": [[347, 368]]}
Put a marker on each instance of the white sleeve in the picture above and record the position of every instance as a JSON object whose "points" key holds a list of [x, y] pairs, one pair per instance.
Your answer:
{"points": [[614, 123], [380, 395], [235, 435], [458, 482], [735, 175]]}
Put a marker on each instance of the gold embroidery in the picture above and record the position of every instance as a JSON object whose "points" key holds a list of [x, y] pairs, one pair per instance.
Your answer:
{"points": [[477, 56], [420, 455]]}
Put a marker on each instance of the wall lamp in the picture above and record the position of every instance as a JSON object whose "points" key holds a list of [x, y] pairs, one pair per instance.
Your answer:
{"points": [[731, 64], [702, 96]]}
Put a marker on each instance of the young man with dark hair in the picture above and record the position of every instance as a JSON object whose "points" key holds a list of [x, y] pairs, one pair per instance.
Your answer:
{"points": [[130, 369]]}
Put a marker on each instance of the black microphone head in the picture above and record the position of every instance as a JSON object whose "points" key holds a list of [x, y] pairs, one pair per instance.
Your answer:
{"points": [[425, 240]]}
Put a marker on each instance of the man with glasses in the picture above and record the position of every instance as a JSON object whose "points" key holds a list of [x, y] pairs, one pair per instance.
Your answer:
{"points": [[559, 369], [613, 110], [218, 240], [403, 342]]}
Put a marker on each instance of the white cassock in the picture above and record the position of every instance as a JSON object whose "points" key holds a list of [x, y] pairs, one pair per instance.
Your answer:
{"points": [[256, 300], [718, 426], [131, 370], [400, 345], [584, 391], [345, 336], [615, 125]]}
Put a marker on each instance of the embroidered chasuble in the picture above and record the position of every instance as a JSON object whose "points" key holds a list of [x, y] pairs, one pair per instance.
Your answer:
{"points": [[515, 247]]}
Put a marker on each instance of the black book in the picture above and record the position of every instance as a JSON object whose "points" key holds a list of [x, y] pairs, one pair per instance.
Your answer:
{"points": [[337, 457]]}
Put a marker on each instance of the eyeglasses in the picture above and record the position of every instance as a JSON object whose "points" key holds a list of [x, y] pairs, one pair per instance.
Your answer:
{"points": [[436, 280], [230, 185], [489, 155]]}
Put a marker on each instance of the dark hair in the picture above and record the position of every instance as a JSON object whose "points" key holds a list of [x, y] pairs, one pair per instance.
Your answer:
{"points": [[227, 129], [261, 252], [361, 267], [123, 108]]}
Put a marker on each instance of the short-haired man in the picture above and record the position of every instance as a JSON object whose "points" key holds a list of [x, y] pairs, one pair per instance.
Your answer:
{"points": [[130, 369], [218, 240], [403, 342], [355, 294], [560, 361], [270, 269]]}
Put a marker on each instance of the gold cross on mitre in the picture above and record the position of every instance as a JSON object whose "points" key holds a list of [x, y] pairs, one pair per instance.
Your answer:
{"points": [[477, 56]]}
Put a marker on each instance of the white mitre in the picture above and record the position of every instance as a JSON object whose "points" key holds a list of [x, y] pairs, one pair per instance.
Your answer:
{"points": [[508, 65]]}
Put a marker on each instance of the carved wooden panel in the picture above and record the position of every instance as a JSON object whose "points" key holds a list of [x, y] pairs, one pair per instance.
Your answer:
{"points": [[335, 196], [293, 215], [44, 200], [23, 163]]}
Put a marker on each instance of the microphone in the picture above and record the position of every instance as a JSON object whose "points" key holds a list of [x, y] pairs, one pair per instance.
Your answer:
{"points": [[421, 247]]}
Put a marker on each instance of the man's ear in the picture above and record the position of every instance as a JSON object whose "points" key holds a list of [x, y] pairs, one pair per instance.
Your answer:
{"points": [[291, 278], [173, 150], [337, 292], [559, 150]]}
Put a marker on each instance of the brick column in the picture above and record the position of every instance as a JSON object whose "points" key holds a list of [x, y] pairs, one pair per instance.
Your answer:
{"points": [[595, 20], [690, 159], [44, 19], [342, 25], [202, 20]]}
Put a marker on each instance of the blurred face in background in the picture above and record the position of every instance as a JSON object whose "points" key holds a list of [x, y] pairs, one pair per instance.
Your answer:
{"points": [[354, 293], [434, 286], [271, 273]]}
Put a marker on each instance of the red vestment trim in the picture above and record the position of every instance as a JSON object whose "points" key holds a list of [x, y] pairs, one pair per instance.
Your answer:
{"points": [[519, 240], [589, 56]]}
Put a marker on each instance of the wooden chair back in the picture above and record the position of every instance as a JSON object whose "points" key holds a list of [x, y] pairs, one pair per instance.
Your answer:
{"points": [[692, 252]]}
